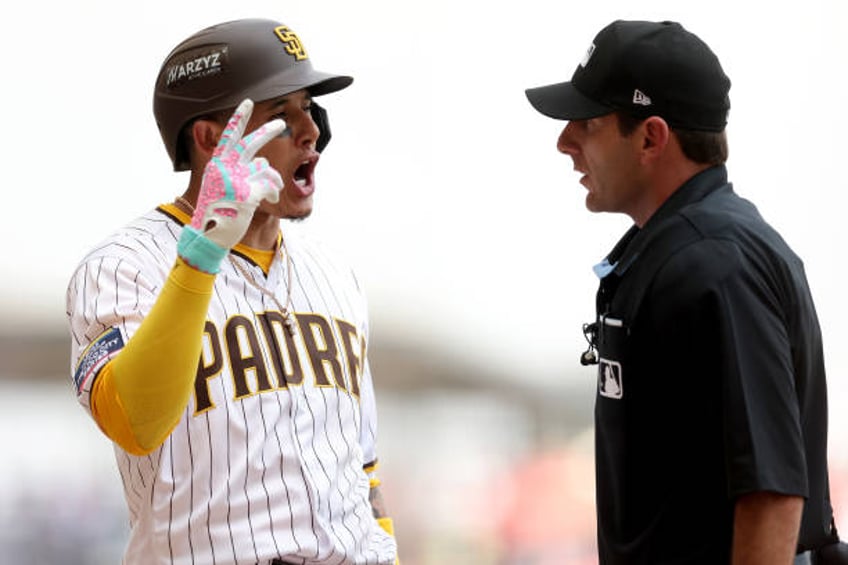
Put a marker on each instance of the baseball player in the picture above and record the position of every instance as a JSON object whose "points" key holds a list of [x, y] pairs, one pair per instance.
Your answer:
{"points": [[225, 358]]}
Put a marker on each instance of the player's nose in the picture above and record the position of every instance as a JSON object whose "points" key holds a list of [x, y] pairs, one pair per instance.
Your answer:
{"points": [[305, 130]]}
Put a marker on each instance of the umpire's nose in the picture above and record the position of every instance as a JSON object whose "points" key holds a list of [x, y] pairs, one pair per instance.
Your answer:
{"points": [[566, 142]]}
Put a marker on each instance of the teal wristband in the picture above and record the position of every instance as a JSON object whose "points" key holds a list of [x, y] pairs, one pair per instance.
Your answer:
{"points": [[199, 251]]}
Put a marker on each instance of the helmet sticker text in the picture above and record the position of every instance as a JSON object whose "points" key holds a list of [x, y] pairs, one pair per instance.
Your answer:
{"points": [[200, 66]]}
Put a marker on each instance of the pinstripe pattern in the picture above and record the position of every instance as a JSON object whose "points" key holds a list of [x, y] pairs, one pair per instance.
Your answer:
{"points": [[267, 459]]}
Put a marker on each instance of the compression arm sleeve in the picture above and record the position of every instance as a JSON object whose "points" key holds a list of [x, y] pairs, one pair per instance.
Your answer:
{"points": [[140, 394]]}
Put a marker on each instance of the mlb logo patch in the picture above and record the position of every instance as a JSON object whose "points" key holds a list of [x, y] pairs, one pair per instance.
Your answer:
{"points": [[610, 379]]}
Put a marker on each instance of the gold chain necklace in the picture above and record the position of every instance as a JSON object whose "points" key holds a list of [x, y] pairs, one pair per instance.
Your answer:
{"points": [[286, 311]]}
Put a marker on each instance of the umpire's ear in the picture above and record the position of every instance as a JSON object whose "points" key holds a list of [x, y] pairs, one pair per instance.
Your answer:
{"points": [[319, 116]]}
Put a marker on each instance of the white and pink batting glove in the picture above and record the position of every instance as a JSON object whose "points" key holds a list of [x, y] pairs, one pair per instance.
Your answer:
{"points": [[233, 185]]}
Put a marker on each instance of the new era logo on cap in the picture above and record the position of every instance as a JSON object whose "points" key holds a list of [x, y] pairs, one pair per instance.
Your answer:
{"points": [[641, 98]]}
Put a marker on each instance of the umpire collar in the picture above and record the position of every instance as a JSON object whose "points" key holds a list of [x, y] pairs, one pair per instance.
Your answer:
{"points": [[635, 240]]}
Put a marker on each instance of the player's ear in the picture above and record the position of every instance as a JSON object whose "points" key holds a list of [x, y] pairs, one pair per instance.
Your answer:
{"points": [[205, 134]]}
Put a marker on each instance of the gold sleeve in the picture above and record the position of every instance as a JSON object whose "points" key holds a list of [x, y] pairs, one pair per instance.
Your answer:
{"points": [[140, 395]]}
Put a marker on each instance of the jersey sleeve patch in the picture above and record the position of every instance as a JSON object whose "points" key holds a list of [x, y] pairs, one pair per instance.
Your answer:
{"points": [[96, 355]]}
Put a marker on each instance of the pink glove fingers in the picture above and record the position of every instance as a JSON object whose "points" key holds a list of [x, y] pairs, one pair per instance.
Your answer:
{"points": [[232, 168]]}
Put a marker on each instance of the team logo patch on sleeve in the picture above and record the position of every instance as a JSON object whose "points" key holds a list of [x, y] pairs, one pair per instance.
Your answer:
{"points": [[96, 355], [610, 383]]}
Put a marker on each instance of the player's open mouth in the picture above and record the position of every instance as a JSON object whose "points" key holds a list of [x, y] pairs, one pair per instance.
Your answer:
{"points": [[304, 176]]}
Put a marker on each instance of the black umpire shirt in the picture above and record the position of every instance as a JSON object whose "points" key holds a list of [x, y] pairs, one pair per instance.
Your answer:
{"points": [[711, 381]]}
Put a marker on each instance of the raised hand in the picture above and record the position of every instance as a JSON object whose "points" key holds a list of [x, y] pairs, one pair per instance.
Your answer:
{"points": [[234, 183]]}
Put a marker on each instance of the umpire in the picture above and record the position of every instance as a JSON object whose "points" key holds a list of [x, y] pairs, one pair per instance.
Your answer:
{"points": [[711, 407]]}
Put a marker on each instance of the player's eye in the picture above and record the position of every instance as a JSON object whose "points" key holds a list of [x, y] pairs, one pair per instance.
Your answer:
{"points": [[282, 116]]}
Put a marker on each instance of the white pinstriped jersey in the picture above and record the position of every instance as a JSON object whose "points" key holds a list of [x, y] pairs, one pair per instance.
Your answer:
{"points": [[267, 459]]}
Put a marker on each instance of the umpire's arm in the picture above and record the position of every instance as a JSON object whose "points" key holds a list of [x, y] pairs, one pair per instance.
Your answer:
{"points": [[765, 528]]}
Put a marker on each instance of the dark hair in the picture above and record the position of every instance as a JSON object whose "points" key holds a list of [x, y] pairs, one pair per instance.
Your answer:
{"points": [[704, 147]]}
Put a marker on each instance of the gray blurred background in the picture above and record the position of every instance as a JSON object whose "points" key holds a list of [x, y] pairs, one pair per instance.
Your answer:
{"points": [[443, 187]]}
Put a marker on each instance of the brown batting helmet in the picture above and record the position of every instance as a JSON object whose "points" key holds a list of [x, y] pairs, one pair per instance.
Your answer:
{"points": [[218, 67]]}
